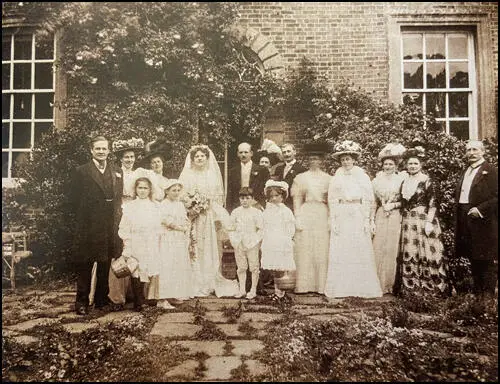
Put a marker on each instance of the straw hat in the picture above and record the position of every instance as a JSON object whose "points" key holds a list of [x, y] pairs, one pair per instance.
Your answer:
{"points": [[347, 147], [170, 183], [392, 151], [133, 144], [283, 185], [159, 147]]}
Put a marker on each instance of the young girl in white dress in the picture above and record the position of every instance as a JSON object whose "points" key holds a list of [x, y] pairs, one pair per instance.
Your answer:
{"points": [[278, 230], [176, 276], [140, 229]]}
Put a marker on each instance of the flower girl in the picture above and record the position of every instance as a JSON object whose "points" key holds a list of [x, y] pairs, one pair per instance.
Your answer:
{"points": [[140, 229], [278, 230], [176, 275]]}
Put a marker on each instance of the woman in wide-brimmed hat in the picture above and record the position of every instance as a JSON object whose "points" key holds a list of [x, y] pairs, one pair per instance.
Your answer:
{"points": [[387, 189], [127, 152], [157, 153], [351, 268], [422, 268], [310, 204]]}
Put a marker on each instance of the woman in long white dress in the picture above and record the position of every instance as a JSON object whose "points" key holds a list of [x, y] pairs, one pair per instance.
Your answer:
{"points": [[351, 267], [387, 189], [201, 174], [310, 204]]}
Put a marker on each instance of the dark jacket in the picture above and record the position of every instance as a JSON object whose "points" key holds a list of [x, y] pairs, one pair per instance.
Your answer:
{"points": [[258, 177], [484, 196], [294, 171], [96, 232]]}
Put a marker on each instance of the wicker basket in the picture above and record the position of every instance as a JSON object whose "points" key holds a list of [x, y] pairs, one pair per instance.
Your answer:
{"points": [[287, 281], [124, 266]]}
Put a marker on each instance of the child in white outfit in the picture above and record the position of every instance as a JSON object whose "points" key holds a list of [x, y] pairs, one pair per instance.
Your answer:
{"points": [[278, 231], [245, 239], [140, 228]]}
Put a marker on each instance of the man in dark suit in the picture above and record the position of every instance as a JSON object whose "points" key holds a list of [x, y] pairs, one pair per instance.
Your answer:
{"points": [[477, 218], [246, 174], [96, 198], [288, 171]]}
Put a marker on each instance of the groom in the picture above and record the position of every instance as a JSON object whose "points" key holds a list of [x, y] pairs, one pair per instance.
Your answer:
{"points": [[246, 174], [96, 193]]}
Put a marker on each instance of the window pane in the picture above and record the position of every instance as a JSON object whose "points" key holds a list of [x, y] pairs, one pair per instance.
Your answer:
{"points": [[22, 106], [43, 76], [412, 98], [5, 106], [18, 158], [459, 75], [5, 164], [436, 104], [22, 47], [459, 104], [457, 46], [434, 46], [44, 49], [21, 135], [5, 76], [413, 78], [412, 46], [436, 75], [441, 125], [5, 135], [41, 129], [6, 47], [22, 76], [43, 107], [460, 129]]}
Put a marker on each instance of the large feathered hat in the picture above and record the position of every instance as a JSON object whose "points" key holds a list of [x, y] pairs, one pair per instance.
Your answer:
{"points": [[347, 147], [270, 150], [416, 150], [159, 147], [392, 151], [133, 144]]}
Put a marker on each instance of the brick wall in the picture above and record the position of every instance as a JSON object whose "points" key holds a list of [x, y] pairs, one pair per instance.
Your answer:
{"points": [[349, 40]]}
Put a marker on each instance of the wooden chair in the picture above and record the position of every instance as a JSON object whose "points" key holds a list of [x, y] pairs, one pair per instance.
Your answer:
{"points": [[14, 248]]}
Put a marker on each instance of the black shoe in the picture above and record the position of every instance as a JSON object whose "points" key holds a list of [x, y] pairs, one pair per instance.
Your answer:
{"points": [[138, 307], [82, 310], [116, 307]]}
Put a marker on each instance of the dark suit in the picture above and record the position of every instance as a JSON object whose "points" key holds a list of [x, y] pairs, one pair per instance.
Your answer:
{"points": [[476, 238], [294, 171], [96, 200], [258, 177]]}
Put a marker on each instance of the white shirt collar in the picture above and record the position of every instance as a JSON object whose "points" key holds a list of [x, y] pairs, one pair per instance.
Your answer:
{"points": [[290, 163], [247, 165], [98, 165], [477, 163]]}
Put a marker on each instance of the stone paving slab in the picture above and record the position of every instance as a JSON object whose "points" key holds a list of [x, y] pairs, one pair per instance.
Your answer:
{"points": [[26, 325], [261, 308], [79, 327], [116, 316], [246, 347], [165, 329], [216, 317], [318, 311], [69, 315], [219, 367], [26, 339], [230, 330], [186, 369], [210, 347], [9, 333], [177, 317], [11, 298], [58, 310], [215, 304], [309, 300], [256, 316], [442, 335], [255, 367], [336, 318]]}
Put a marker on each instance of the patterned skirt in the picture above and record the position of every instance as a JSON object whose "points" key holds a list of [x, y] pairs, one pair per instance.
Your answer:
{"points": [[422, 267]]}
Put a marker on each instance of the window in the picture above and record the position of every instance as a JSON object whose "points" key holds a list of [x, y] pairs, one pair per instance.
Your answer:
{"points": [[438, 72], [28, 84]]}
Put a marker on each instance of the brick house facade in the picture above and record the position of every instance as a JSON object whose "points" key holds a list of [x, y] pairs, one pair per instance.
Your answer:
{"points": [[445, 54]]}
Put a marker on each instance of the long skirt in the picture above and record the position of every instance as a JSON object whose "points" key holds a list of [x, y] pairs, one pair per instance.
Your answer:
{"points": [[423, 267], [311, 248]]}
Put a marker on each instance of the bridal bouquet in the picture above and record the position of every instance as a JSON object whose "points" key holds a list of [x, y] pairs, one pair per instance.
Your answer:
{"points": [[196, 204]]}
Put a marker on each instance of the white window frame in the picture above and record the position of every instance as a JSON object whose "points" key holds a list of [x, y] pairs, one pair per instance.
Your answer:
{"points": [[9, 180], [471, 90], [481, 25]]}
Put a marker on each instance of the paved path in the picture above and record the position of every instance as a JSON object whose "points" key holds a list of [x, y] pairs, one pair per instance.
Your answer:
{"points": [[227, 332]]}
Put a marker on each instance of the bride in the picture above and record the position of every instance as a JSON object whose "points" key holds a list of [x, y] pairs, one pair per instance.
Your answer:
{"points": [[201, 174]]}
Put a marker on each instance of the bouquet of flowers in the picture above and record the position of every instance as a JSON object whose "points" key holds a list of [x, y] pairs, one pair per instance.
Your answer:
{"points": [[196, 204]]}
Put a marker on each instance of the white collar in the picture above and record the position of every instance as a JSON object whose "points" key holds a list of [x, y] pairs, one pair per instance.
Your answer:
{"points": [[97, 164], [477, 163], [247, 165], [290, 163]]}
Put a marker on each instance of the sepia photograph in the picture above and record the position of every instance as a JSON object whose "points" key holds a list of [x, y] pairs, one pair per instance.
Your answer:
{"points": [[250, 191]]}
